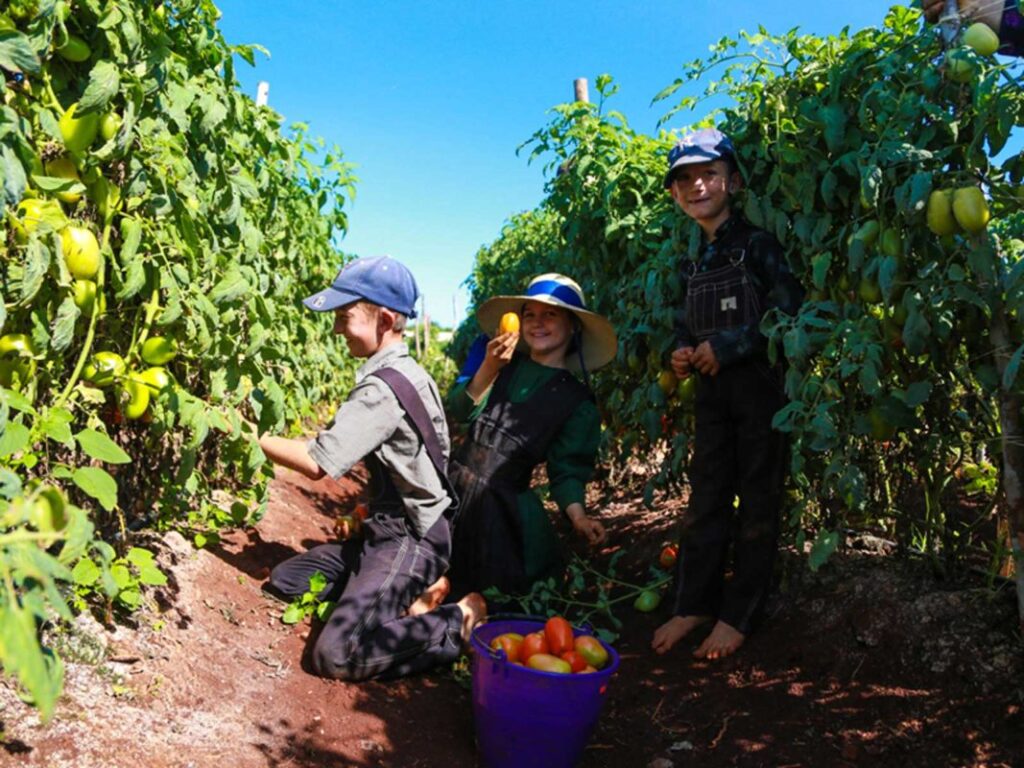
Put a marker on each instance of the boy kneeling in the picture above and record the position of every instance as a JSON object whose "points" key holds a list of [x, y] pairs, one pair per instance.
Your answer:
{"points": [[392, 419]]}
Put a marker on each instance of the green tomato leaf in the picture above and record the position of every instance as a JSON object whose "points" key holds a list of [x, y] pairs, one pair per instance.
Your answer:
{"points": [[13, 175], [98, 484], [232, 286], [293, 614], [15, 438], [37, 262], [64, 324], [85, 572], [100, 447], [104, 81], [824, 546], [56, 425], [16, 54]]}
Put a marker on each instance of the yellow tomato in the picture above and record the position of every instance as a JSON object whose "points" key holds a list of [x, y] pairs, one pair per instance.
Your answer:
{"points": [[982, 39], [509, 323], [667, 382], [970, 209], [81, 252], [78, 133], [939, 213]]}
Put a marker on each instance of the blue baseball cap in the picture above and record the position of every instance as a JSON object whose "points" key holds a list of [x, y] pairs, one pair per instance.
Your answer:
{"points": [[701, 146], [379, 280]]}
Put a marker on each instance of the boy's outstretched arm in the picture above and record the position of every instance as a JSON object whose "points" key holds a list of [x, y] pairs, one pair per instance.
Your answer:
{"points": [[291, 453]]}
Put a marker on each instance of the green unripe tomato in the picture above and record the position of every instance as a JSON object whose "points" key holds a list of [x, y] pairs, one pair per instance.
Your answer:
{"points": [[159, 350], [981, 38], [156, 378], [647, 601], [84, 295], [892, 242], [959, 67], [939, 213], [110, 124], [75, 49], [867, 233], [48, 513], [103, 368], [81, 252], [107, 197], [16, 364], [134, 398], [63, 167], [31, 213], [78, 133]]}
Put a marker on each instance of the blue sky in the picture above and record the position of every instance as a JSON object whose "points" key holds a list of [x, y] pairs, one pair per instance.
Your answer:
{"points": [[431, 99]]}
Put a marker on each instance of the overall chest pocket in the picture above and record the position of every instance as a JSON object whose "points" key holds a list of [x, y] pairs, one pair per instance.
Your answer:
{"points": [[720, 299]]}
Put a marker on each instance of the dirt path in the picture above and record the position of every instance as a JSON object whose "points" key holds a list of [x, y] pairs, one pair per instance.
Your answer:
{"points": [[869, 662]]}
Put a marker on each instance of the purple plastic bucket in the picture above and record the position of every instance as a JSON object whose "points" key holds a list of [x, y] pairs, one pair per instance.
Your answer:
{"points": [[527, 717]]}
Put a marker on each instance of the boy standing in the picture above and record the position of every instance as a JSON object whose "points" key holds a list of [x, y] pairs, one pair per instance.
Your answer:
{"points": [[392, 419], [739, 274]]}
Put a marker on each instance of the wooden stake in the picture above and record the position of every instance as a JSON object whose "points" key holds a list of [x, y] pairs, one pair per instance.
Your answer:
{"points": [[580, 87]]}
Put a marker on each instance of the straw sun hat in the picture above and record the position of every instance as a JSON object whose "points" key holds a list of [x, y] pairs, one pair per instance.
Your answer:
{"points": [[599, 343]]}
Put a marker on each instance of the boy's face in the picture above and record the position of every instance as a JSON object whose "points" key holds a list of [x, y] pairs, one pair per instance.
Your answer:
{"points": [[702, 190], [360, 324]]}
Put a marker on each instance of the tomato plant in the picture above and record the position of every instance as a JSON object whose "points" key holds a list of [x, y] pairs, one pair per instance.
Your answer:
{"points": [[152, 212]]}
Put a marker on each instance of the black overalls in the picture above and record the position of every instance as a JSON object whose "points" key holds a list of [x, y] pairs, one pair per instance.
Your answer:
{"points": [[737, 453], [491, 468]]}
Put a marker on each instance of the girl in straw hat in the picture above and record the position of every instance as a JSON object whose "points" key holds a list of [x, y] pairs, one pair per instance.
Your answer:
{"points": [[528, 402]]}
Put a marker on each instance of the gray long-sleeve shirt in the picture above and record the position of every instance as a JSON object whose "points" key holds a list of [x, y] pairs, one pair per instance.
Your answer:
{"points": [[371, 420]]}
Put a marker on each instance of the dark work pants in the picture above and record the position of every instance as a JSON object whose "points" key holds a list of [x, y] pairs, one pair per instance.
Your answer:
{"points": [[736, 453], [374, 580]]}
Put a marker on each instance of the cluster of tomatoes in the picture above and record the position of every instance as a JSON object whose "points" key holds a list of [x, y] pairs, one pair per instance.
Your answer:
{"points": [[553, 649]]}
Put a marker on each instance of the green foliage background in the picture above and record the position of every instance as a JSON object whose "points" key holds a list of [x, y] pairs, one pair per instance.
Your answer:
{"points": [[903, 364]]}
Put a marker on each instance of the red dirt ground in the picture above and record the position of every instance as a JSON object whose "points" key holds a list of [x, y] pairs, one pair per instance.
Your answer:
{"points": [[868, 662]]}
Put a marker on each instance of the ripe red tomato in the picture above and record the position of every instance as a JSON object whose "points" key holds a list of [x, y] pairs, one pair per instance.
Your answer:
{"points": [[511, 643], [668, 556], [575, 660], [558, 632], [535, 642]]}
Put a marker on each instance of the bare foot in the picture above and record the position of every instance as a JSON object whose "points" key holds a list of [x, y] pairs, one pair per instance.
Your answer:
{"points": [[723, 641], [474, 609], [674, 630], [431, 598]]}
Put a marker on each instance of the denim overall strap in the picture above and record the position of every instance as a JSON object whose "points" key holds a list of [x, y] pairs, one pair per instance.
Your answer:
{"points": [[413, 406]]}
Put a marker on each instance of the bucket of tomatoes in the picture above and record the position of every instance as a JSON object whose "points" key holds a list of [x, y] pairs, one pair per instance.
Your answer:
{"points": [[538, 689]]}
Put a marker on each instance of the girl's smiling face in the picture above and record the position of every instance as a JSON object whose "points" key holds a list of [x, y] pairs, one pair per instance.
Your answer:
{"points": [[547, 331]]}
